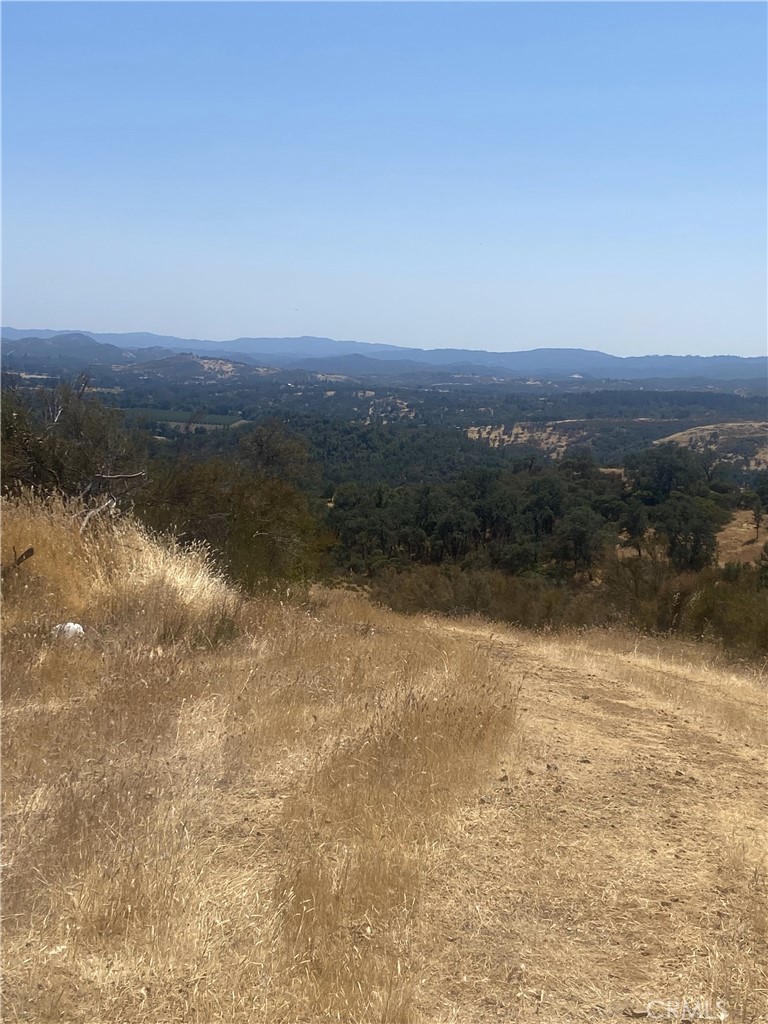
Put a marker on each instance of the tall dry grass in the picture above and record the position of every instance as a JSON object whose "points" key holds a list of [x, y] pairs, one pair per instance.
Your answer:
{"points": [[217, 809], [358, 829], [114, 577]]}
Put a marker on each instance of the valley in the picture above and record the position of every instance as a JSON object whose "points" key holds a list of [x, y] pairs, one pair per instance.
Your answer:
{"points": [[384, 507]]}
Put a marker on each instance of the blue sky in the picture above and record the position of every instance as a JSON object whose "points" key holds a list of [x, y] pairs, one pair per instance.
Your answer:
{"points": [[500, 175]]}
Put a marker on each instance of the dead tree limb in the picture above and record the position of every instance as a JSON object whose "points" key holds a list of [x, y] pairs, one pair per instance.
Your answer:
{"points": [[11, 566], [95, 512], [120, 476], [117, 484]]}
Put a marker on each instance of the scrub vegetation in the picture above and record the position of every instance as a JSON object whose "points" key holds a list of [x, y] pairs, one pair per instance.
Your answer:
{"points": [[432, 520]]}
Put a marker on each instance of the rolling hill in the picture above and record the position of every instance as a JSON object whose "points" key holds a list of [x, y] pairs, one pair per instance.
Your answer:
{"points": [[325, 352]]}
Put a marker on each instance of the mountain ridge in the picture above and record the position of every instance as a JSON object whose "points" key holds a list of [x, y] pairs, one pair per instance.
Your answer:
{"points": [[312, 351]]}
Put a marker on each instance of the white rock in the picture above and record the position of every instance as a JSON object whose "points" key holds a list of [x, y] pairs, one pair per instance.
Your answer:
{"points": [[70, 630]]}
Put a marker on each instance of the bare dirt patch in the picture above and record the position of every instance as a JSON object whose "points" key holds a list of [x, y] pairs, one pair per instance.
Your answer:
{"points": [[615, 865]]}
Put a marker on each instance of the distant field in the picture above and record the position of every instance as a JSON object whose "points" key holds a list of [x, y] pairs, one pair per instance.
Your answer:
{"points": [[180, 417]]}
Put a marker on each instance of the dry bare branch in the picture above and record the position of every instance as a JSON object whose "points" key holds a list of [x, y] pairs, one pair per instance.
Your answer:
{"points": [[95, 512], [18, 560]]}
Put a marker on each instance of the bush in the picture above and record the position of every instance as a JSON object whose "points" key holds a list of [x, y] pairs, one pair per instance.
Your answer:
{"points": [[723, 605]]}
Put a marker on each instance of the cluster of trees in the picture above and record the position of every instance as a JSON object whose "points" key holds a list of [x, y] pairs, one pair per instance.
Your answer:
{"points": [[248, 508], [431, 518], [559, 518], [515, 521], [612, 421], [63, 439]]}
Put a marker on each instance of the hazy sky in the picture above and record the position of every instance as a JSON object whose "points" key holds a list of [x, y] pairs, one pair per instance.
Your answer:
{"points": [[501, 175]]}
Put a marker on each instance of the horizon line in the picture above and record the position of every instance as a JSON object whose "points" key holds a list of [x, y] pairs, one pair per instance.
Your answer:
{"points": [[395, 345]]}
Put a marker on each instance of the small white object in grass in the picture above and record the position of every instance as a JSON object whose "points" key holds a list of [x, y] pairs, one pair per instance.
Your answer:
{"points": [[70, 630]]}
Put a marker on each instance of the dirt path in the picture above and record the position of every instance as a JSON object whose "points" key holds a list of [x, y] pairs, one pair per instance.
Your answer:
{"points": [[615, 865]]}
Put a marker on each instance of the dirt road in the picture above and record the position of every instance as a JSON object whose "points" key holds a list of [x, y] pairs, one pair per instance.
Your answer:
{"points": [[615, 866]]}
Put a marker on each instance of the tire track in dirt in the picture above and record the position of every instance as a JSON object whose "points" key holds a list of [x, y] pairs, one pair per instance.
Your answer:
{"points": [[613, 863]]}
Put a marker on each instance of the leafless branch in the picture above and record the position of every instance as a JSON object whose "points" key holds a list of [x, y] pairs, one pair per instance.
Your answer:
{"points": [[95, 512], [120, 476], [11, 566]]}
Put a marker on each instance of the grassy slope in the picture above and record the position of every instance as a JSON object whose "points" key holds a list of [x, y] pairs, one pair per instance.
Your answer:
{"points": [[736, 542], [728, 435], [219, 810]]}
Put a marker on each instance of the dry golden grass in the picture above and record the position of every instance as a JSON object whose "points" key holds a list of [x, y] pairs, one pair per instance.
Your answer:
{"points": [[115, 578], [686, 676], [725, 437], [312, 809], [737, 542], [209, 830], [552, 438]]}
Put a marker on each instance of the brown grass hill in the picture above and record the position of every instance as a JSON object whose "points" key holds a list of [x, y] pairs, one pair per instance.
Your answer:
{"points": [[303, 807], [741, 442], [739, 541]]}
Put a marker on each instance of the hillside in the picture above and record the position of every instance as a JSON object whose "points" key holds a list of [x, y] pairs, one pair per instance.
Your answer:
{"points": [[302, 807], [71, 351], [737, 541], [727, 441], [186, 368], [366, 359]]}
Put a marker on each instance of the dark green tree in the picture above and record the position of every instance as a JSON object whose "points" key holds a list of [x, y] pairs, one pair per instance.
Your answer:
{"points": [[65, 440], [757, 515], [690, 526], [635, 522], [762, 568], [258, 527], [656, 472], [271, 450], [579, 538]]}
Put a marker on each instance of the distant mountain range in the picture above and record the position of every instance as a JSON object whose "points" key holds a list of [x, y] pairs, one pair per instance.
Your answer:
{"points": [[79, 349]]}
